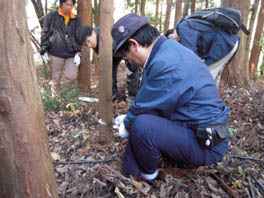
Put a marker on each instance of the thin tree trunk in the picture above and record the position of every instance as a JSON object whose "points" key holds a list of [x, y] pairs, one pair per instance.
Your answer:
{"points": [[193, 6], [156, 14], [178, 11], [84, 74], [105, 62], [97, 24], [142, 7], [186, 8], [136, 6], [252, 23], [26, 168], [168, 14], [39, 10], [206, 3], [237, 71], [254, 57]]}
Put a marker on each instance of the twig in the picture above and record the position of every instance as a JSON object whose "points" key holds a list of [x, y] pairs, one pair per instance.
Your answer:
{"points": [[229, 190], [83, 162], [260, 184], [251, 187], [258, 161]]}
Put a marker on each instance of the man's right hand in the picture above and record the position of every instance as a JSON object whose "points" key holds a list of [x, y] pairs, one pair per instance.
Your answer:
{"points": [[45, 57]]}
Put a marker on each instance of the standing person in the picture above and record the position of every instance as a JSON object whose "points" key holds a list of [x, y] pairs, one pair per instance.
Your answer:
{"points": [[88, 36], [177, 112], [58, 44], [214, 46]]}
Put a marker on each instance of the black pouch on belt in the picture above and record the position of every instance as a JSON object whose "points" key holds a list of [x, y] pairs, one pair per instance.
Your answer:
{"points": [[209, 136]]}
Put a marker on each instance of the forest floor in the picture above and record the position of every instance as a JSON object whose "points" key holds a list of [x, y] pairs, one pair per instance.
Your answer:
{"points": [[72, 128]]}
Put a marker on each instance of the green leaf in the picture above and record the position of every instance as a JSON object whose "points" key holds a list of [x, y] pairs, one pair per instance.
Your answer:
{"points": [[240, 170]]}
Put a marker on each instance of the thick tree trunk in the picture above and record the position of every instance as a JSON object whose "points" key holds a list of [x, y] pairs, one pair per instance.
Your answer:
{"points": [[142, 7], [206, 3], [256, 48], [26, 166], [168, 14], [105, 64], [254, 11], [178, 12], [193, 6], [236, 73], [156, 14], [84, 74]]}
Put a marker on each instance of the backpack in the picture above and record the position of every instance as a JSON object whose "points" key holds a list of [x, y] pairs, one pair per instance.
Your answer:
{"points": [[224, 18]]}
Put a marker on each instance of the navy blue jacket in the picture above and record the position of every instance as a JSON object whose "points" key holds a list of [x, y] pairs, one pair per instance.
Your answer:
{"points": [[178, 86], [200, 37]]}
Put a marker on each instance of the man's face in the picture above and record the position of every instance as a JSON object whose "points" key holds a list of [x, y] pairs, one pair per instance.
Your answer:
{"points": [[174, 35], [91, 41], [67, 7]]}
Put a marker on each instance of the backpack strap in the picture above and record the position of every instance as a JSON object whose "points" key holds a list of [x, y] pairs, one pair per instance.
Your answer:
{"points": [[244, 29]]}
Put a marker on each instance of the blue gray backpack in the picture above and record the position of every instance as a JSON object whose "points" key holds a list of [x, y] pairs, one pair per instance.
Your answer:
{"points": [[224, 18]]}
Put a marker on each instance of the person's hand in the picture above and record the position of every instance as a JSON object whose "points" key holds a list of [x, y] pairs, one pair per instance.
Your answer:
{"points": [[122, 132], [77, 60], [119, 124], [45, 57]]}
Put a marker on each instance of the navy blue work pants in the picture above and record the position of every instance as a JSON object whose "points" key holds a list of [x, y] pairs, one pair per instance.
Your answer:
{"points": [[152, 136]]}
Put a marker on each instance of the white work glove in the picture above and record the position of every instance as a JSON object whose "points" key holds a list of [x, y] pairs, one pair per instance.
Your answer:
{"points": [[119, 124], [45, 57], [77, 60]]}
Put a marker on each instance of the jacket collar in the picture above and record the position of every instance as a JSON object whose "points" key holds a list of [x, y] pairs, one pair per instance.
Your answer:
{"points": [[72, 16]]}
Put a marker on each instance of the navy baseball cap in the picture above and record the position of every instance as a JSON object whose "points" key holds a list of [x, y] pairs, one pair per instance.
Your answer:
{"points": [[125, 27]]}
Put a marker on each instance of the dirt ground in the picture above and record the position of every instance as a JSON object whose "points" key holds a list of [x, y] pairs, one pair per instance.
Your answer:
{"points": [[86, 168]]}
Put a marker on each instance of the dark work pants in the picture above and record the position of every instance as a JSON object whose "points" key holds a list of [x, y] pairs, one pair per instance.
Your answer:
{"points": [[132, 77], [152, 136]]}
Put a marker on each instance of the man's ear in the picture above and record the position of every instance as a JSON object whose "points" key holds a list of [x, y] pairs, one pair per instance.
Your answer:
{"points": [[133, 43]]}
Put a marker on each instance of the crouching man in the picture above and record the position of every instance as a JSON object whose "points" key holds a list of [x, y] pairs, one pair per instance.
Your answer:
{"points": [[177, 112]]}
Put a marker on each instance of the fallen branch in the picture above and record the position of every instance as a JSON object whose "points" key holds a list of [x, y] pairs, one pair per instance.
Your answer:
{"points": [[260, 184], [228, 189], [251, 187], [83, 162], [258, 161]]}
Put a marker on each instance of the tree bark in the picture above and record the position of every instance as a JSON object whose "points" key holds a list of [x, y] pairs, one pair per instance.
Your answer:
{"points": [[156, 14], [105, 64], [26, 168], [38, 9], [193, 6], [186, 8], [254, 11], [206, 3], [168, 14], [136, 6], [236, 73], [256, 48], [178, 11], [84, 74], [142, 7], [97, 24]]}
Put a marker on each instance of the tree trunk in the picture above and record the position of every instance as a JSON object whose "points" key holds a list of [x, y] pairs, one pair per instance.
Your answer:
{"points": [[156, 14], [206, 3], [236, 73], [136, 6], [97, 24], [186, 8], [193, 6], [168, 14], [178, 11], [26, 168], [142, 7], [251, 27], [39, 10], [256, 48], [84, 74], [105, 62]]}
